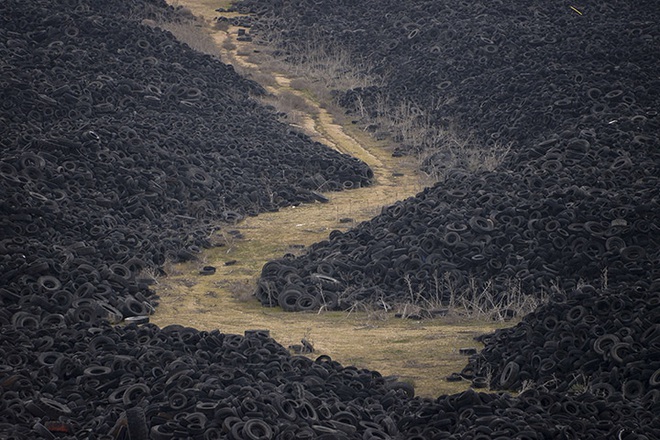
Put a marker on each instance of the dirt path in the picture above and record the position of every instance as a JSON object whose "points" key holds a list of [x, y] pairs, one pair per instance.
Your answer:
{"points": [[420, 352]]}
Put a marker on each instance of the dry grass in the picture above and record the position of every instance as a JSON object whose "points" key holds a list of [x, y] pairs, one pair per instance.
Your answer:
{"points": [[438, 149], [298, 110], [420, 352], [477, 300], [321, 66], [186, 27]]}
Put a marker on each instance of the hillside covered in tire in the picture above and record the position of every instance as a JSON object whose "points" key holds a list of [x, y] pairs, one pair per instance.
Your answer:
{"points": [[139, 381], [122, 148], [572, 91], [605, 341]]}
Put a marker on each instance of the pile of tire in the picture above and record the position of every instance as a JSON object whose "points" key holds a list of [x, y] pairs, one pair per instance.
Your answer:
{"points": [[488, 232], [505, 71], [96, 381], [574, 93], [122, 148], [575, 200], [607, 341]]}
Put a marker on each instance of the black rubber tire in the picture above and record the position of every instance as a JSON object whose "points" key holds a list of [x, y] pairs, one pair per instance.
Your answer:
{"points": [[288, 299], [53, 408], [207, 270], [633, 389], [256, 429], [137, 424], [509, 375], [307, 303], [604, 343], [406, 387], [654, 380], [136, 320], [134, 394], [49, 283]]}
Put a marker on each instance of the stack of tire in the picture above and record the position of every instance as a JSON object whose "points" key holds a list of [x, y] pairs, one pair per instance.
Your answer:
{"points": [[606, 341], [510, 72], [474, 234], [122, 148], [138, 381], [574, 92], [575, 200]]}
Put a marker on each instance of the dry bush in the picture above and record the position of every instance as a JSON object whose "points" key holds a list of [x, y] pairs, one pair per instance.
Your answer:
{"points": [[192, 33], [228, 45], [478, 301], [221, 25], [296, 107], [483, 302], [171, 268], [334, 68], [438, 149], [242, 290], [321, 68], [186, 27]]}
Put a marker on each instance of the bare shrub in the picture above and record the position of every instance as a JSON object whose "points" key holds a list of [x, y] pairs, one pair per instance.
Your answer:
{"points": [[186, 27], [438, 148], [322, 68], [242, 290], [480, 301], [228, 45]]}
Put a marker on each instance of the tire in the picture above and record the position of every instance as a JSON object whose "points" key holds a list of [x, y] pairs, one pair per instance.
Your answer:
{"points": [[25, 320], [255, 429], [481, 225], [633, 389], [604, 343], [509, 375], [53, 408], [137, 423], [135, 394], [53, 320], [110, 313], [48, 283], [619, 352], [306, 303], [654, 380], [207, 270], [288, 299], [136, 320], [43, 432], [407, 388], [480, 382], [133, 307]]}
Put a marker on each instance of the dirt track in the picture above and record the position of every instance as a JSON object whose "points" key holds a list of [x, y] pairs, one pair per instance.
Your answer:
{"points": [[422, 352]]}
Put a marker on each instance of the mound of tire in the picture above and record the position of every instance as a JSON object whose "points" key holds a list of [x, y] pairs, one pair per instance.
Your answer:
{"points": [[122, 148], [95, 381], [607, 341], [477, 234], [576, 199], [506, 71], [573, 205]]}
